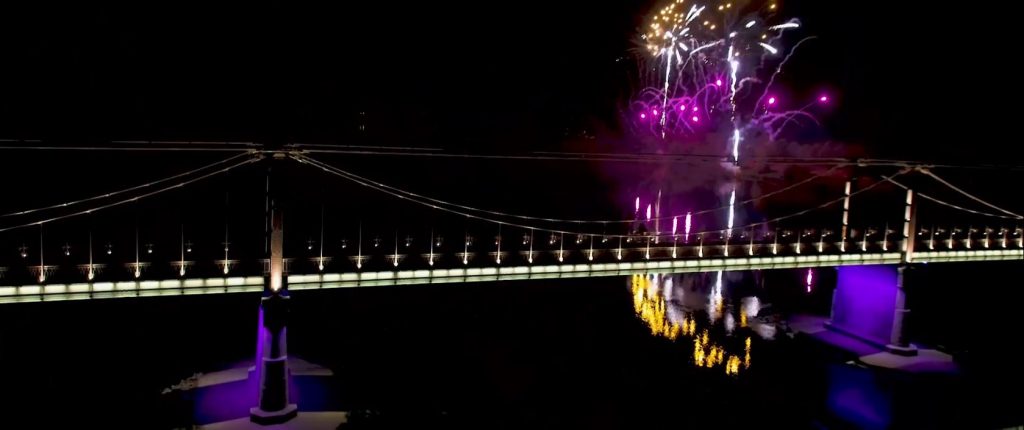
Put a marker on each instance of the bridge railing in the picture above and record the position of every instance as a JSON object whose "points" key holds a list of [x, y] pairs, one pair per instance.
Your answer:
{"points": [[587, 249], [370, 278]]}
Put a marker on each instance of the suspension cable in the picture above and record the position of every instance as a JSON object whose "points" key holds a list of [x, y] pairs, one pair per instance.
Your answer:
{"points": [[122, 191], [582, 221], [365, 183], [132, 199]]}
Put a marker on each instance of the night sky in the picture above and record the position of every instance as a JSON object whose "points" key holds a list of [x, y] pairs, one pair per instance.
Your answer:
{"points": [[506, 76], [912, 83], [921, 80]]}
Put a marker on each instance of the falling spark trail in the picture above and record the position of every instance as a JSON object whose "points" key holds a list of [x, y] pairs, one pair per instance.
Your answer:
{"points": [[732, 210], [736, 146], [687, 224], [668, 73], [791, 24], [769, 48], [778, 70]]}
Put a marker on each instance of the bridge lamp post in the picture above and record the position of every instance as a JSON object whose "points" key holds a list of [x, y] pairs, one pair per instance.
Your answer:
{"points": [[91, 273], [359, 247], [227, 248], [320, 261], [497, 242], [885, 238], [42, 264], [138, 271], [395, 262], [529, 257], [561, 242], [675, 238], [430, 256]]}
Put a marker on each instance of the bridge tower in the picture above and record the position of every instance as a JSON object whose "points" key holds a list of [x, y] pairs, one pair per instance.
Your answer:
{"points": [[898, 342], [272, 344], [869, 302]]}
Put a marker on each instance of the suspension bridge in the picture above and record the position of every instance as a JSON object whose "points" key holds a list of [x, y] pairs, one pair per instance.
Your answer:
{"points": [[567, 254], [551, 248]]}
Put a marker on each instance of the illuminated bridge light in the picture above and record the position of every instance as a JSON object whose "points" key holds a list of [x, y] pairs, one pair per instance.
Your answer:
{"points": [[448, 274]]}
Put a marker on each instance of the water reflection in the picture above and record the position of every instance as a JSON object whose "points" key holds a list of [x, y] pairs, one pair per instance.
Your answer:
{"points": [[670, 306]]}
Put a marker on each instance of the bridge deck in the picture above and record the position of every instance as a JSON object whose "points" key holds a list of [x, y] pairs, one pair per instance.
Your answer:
{"points": [[296, 282]]}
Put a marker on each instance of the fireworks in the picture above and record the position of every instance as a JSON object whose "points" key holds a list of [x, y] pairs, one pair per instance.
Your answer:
{"points": [[713, 57], [652, 304], [687, 224]]}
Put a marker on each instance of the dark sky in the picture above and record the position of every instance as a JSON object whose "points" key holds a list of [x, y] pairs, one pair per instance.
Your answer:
{"points": [[304, 74], [916, 82], [489, 76], [923, 80]]}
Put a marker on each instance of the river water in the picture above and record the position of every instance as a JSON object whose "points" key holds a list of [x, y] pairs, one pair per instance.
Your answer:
{"points": [[638, 352]]}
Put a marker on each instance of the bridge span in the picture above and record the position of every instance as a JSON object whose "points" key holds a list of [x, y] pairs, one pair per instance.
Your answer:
{"points": [[298, 282]]}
